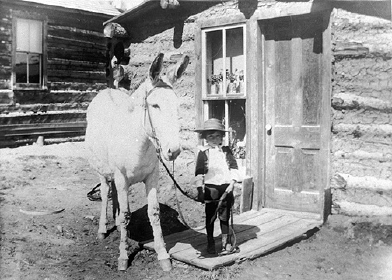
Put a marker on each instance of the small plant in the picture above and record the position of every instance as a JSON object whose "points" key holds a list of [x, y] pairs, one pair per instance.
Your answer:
{"points": [[231, 77], [216, 79]]}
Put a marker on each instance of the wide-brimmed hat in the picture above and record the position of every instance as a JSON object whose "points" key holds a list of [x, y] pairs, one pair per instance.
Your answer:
{"points": [[211, 124]]}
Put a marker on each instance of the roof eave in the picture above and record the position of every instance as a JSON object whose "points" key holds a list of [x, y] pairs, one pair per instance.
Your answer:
{"points": [[145, 6]]}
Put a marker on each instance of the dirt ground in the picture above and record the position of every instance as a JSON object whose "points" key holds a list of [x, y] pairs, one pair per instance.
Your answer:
{"points": [[64, 245]]}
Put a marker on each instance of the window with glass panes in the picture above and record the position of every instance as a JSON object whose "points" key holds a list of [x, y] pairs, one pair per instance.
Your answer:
{"points": [[28, 53], [224, 81]]}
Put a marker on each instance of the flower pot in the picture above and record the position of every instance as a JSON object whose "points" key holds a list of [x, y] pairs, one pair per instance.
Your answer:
{"points": [[231, 88], [241, 87], [216, 88]]}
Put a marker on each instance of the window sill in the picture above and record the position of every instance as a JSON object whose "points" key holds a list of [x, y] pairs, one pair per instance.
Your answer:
{"points": [[30, 88], [221, 97]]}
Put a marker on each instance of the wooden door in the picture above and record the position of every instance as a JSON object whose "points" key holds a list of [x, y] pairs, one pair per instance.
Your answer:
{"points": [[297, 93]]}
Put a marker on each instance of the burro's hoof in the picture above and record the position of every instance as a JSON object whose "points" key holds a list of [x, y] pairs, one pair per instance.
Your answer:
{"points": [[122, 264], [166, 264], [101, 236]]}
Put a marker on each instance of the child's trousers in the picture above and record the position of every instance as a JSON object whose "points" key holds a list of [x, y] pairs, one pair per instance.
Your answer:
{"points": [[212, 194]]}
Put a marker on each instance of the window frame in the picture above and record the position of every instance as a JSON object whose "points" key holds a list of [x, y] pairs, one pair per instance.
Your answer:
{"points": [[204, 84], [206, 98], [19, 15]]}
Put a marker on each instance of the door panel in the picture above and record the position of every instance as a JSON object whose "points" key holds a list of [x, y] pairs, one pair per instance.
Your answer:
{"points": [[295, 113]]}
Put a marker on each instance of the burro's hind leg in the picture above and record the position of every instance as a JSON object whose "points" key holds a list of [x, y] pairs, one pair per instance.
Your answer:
{"points": [[115, 203], [102, 229], [154, 216], [123, 218]]}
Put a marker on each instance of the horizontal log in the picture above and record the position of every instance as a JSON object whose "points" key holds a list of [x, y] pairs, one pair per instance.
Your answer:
{"points": [[41, 129], [66, 21], [23, 134], [347, 181], [41, 107], [78, 74], [5, 48], [363, 196], [363, 155], [40, 118], [80, 63], [72, 94], [6, 38], [83, 85], [72, 50], [355, 49], [5, 59], [347, 101], [6, 96], [359, 130], [76, 34], [74, 65], [76, 54], [5, 71], [73, 33], [358, 209], [54, 40], [5, 84]]}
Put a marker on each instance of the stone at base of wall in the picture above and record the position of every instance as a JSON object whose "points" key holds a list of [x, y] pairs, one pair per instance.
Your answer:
{"points": [[356, 209]]}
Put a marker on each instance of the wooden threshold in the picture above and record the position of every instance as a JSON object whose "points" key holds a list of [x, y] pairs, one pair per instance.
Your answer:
{"points": [[257, 233]]}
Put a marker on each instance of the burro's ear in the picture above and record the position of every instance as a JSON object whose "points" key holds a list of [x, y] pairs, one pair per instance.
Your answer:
{"points": [[174, 74], [155, 68]]}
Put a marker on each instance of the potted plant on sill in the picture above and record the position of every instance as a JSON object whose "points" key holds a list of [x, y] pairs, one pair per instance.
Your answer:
{"points": [[216, 83], [231, 78]]}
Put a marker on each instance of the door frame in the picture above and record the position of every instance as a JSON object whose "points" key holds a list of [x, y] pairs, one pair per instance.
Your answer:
{"points": [[257, 162]]}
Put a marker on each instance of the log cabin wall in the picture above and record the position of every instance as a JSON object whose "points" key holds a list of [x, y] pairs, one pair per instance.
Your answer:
{"points": [[75, 66], [361, 114], [361, 100]]}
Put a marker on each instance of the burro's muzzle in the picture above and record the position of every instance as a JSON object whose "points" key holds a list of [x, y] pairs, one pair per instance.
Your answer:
{"points": [[170, 145]]}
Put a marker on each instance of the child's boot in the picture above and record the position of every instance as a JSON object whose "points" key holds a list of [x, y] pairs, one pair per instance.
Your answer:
{"points": [[227, 248], [211, 245]]}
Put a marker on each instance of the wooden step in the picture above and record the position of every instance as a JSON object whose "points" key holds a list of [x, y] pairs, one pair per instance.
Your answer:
{"points": [[256, 232]]}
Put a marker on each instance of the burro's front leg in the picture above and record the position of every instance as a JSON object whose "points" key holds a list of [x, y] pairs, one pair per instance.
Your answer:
{"points": [[124, 218], [102, 229], [155, 221]]}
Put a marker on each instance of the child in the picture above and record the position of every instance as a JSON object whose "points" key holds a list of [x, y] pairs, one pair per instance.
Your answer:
{"points": [[215, 175]]}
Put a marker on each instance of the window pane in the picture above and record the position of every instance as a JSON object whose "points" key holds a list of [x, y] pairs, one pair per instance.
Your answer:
{"points": [[237, 119], [34, 68], [237, 123], [21, 68], [35, 36], [22, 35], [29, 35], [235, 60], [214, 62], [216, 109]]}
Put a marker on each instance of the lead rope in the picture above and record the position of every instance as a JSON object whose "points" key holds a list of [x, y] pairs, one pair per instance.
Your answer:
{"points": [[174, 180], [158, 148]]}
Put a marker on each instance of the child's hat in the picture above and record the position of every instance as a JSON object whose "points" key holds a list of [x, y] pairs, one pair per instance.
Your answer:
{"points": [[211, 124]]}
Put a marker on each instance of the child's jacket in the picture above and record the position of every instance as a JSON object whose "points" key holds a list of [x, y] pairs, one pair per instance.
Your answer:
{"points": [[216, 174]]}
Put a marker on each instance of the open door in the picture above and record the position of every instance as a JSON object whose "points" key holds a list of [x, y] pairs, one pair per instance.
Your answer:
{"points": [[297, 91]]}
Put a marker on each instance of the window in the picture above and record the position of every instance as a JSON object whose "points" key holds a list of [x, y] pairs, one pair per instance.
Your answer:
{"points": [[224, 81], [28, 59]]}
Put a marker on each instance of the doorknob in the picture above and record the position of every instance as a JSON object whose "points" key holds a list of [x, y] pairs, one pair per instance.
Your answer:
{"points": [[268, 128]]}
